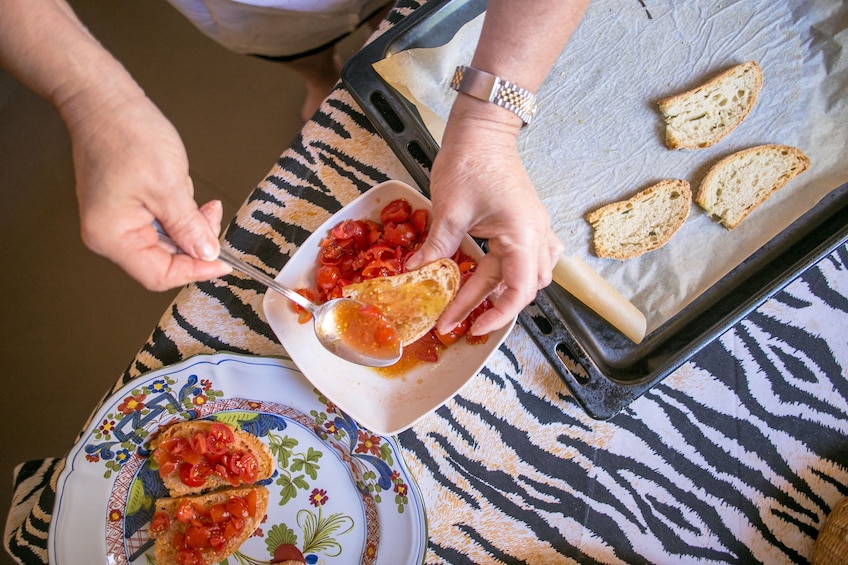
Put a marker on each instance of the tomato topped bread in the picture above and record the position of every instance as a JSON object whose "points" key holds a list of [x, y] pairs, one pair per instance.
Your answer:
{"points": [[646, 221], [207, 528], [413, 300], [201, 455], [701, 117]]}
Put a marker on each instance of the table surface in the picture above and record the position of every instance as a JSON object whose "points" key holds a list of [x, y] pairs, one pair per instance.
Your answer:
{"points": [[736, 457]]}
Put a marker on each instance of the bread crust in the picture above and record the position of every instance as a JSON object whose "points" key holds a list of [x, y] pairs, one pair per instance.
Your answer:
{"points": [[164, 546], [645, 222], [729, 192], [703, 116], [243, 441], [414, 300]]}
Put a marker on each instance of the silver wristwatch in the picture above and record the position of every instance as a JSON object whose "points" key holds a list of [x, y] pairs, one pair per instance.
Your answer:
{"points": [[496, 90]]}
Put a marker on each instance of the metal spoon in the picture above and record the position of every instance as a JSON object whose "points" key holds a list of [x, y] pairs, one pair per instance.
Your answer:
{"points": [[350, 329]]}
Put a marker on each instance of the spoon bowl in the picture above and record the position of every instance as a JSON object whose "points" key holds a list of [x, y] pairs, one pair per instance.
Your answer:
{"points": [[348, 328]]}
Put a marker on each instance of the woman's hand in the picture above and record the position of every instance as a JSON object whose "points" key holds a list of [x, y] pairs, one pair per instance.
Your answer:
{"points": [[131, 169], [479, 186]]}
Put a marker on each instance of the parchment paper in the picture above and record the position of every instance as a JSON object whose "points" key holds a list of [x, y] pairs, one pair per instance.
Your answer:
{"points": [[598, 136]]}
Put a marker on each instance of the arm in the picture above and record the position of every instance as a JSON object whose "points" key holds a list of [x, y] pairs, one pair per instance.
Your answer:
{"points": [[130, 164], [478, 183]]}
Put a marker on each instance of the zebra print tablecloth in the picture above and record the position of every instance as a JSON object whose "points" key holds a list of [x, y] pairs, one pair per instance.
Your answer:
{"points": [[736, 458]]}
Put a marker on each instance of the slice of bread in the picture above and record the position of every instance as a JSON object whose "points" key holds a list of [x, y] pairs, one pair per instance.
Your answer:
{"points": [[243, 442], [168, 541], [646, 221], [740, 182], [413, 300], [702, 116]]}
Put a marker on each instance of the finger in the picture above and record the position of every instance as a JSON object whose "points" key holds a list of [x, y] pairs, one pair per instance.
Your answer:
{"points": [[520, 276], [442, 241], [506, 307], [213, 211], [549, 255], [484, 281], [187, 226], [157, 268]]}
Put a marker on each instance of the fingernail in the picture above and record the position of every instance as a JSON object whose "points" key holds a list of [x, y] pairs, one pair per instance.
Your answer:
{"points": [[444, 328], [207, 251]]}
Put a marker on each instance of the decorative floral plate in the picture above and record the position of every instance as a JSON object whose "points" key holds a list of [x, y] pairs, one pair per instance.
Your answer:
{"points": [[339, 494]]}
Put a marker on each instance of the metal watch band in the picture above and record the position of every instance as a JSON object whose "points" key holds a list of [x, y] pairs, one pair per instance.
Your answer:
{"points": [[496, 90]]}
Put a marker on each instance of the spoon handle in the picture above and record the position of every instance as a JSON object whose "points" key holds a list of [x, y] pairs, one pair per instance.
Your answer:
{"points": [[250, 271], [261, 277]]}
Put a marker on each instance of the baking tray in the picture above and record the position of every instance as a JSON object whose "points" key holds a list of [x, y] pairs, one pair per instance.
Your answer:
{"points": [[604, 370]]}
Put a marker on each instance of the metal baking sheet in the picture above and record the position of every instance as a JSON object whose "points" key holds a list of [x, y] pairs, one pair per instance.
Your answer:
{"points": [[604, 370]]}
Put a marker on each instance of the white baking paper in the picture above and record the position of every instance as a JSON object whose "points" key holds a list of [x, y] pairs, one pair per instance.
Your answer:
{"points": [[598, 136]]}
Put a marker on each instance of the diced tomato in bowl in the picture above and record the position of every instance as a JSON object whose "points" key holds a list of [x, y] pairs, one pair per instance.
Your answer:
{"points": [[356, 250]]}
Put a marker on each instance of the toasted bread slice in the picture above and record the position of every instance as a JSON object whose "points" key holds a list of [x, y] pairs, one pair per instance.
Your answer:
{"points": [[169, 542], [413, 300], [740, 182], [243, 442], [646, 221], [701, 117]]}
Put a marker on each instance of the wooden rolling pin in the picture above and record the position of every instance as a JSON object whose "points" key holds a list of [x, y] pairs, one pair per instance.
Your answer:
{"points": [[587, 286]]}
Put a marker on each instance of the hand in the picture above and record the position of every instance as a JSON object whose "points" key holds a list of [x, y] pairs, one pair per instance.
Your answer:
{"points": [[479, 186], [131, 168]]}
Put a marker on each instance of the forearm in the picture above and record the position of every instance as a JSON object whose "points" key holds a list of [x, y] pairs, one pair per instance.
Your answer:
{"points": [[520, 42], [48, 49]]}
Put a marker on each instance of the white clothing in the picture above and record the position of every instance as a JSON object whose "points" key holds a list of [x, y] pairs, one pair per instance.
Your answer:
{"points": [[276, 27]]}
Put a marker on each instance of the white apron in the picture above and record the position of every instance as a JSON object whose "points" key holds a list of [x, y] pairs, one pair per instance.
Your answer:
{"points": [[276, 27]]}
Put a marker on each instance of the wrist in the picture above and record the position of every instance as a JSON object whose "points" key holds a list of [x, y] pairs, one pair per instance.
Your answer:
{"points": [[496, 90], [476, 121], [95, 85]]}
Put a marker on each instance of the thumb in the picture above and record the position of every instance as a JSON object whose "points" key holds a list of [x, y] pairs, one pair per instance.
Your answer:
{"points": [[442, 241], [213, 211], [194, 231]]}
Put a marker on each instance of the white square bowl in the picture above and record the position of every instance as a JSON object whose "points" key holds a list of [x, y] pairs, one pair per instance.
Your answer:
{"points": [[386, 405]]}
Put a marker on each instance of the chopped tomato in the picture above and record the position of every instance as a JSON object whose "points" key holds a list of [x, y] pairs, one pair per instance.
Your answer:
{"points": [[245, 466], [381, 268], [396, 211], [160, 522], [166, 467], [374, 231], [352, 232], [219, 513], [217, 539], [208, 451], [425, 349], [194, 475], [303, 314], [250, 500], [197, 537], [197, 442], [455, 334], [327, 276], [221, 433], [420, 219], [186, 512], [331, 252], [400, 235], [237, 507], [233, 527], [189, 557], [206, 527], [386, 249]]}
